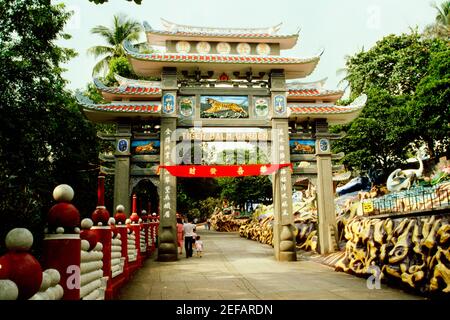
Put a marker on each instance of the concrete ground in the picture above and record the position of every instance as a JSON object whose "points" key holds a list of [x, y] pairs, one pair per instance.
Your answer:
{"points": [[235, 268]]}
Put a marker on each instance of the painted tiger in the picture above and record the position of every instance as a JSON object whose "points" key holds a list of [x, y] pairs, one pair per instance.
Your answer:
{"points": [[145, 148], [217, 106]]}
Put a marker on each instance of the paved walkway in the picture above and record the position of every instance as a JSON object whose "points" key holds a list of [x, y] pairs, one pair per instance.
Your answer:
{"points": [[236, 268]]}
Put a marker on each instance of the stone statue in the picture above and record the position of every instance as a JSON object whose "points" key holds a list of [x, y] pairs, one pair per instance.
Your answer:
{"points": [[402, 179]]}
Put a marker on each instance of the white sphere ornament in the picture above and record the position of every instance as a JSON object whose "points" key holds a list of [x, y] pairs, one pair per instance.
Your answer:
{"points": [[120, 208], [98, 246], [86, 223], [8, 290], [85, 245], [140, 220], [63, 193], [59, 292], [112, 221], [19, 239], [100, 224], [50, 293], [76, 230], [128, 221], [144, 212], [37, 296], [46, 281], [120, 223], [60, 230], [54, 275]]}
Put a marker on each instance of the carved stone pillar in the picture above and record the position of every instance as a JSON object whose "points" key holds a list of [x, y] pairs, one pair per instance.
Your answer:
{"points": [[167, 233], [122, 167], [325, 195], [283, 228]]}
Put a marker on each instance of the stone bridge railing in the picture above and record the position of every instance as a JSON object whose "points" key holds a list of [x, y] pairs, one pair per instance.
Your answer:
{"points": [[91, 263]]}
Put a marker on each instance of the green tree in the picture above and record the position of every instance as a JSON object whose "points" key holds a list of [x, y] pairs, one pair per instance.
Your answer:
{"points": [[120, 66], [45, 139], [441, 26], [390, 73], [396, 63], [379, 136], [246, 189], [123, 29], [207, 206], [429, 107]]}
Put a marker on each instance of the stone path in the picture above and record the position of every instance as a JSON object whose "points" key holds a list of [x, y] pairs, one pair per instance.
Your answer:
{"points": [[236, 268]]}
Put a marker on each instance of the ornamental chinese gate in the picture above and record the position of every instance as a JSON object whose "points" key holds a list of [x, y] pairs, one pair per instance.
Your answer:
{"points": [[225, 86]]}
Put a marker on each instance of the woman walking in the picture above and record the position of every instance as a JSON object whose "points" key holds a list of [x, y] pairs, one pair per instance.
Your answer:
{"points": [[180, 235]]}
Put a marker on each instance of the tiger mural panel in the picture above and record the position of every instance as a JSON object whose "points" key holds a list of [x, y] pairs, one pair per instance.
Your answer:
{"points": [[224, 107]]}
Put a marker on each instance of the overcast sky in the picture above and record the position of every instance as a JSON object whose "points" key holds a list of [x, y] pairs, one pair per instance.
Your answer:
{"points": [[341, 27]]}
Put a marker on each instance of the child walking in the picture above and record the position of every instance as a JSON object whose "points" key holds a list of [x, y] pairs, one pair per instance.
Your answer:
{"points": [[199, 246]]}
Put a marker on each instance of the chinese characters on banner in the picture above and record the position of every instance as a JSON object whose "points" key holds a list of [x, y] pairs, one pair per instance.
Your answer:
{"points": [[204, 171]]}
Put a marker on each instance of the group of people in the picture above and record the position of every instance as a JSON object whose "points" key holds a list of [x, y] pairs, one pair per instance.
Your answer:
{"points": [[187, 231]]}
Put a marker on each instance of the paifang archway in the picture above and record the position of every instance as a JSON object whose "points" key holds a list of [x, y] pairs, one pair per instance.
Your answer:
{"points": [[222, 78]]}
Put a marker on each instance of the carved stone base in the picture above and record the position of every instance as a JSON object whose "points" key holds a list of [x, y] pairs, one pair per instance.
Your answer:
{"points": [[167, 246], [288, 256]]}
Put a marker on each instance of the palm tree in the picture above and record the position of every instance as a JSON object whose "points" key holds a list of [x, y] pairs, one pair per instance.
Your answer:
{"points": [[441, 27], [123, 29]]}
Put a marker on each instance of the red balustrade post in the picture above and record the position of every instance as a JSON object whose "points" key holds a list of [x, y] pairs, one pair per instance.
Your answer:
{"points": [[100, 218], [62, 243]]}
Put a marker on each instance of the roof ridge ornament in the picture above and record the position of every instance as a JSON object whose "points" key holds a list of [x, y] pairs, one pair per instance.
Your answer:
{"points": [[124, 82], [175, 27], [359, 102], [298, 85], [99, 84], [147, 26], [82, 99], [129, 47], [321, 51]]}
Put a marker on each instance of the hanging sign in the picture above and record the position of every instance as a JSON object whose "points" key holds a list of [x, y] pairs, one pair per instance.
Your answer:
{"points": [[203, 171]]}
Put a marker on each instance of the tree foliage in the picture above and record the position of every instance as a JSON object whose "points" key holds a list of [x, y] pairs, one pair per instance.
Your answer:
{"points": [[120, 66], [429, 107], [123, 29], [376, 139], [441, 26], [406, 105], [246, 189], [45, 138]]}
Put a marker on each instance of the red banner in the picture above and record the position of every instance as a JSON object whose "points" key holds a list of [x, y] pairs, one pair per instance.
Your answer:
{"points": [[200, 171]]}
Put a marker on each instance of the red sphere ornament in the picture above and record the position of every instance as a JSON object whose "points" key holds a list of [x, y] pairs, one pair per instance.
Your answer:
{"points": [[63, 215], [26, 274], [120, 217], [4, 268], [91, 237], [134, 218], [100, 215], [114, 230]]}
